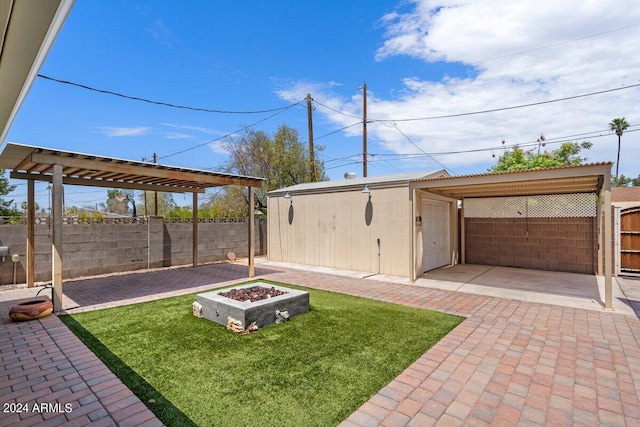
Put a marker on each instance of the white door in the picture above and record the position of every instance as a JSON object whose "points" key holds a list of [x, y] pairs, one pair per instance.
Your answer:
{"points": [[435, 234]]}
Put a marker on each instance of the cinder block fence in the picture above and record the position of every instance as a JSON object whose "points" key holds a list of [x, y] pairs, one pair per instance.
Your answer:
{"points": [[107, 247]]}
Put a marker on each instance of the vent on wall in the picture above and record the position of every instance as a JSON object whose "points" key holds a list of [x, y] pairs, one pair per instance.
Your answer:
{"points": [[545, 206]]}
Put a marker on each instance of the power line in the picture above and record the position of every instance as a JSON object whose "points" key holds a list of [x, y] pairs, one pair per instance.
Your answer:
{"points": [[166, 104], [395, 126], [401, 156], [554, 45], [507, 108], [336, 111], [231, 133], [470, 113]]}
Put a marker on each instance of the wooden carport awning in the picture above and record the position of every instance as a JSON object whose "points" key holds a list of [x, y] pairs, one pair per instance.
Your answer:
{"points": [[65, 167], [29, 162]]}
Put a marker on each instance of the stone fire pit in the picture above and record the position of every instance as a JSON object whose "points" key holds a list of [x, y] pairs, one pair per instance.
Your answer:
{"points": [[219, 308]]}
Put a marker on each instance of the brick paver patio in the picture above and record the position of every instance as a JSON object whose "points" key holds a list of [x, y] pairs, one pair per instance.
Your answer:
{"points": [[510, 362]]}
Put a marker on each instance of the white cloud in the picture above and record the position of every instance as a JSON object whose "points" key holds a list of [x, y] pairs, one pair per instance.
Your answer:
{"points": [[199, 129], [162, 33], [193, 132], [112, 131], [521, 52], [177, 135]]}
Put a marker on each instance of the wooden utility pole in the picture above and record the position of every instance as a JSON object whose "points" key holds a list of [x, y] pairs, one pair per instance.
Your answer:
{"points": [[364, 130], [155, 193], [312, 164]]}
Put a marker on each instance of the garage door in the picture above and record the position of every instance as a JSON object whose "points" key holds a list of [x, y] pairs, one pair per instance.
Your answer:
{"points": [[435, 234], [630, 240]]}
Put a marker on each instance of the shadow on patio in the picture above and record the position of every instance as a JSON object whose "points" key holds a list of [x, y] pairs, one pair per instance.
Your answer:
{"points": [[130, 286]]}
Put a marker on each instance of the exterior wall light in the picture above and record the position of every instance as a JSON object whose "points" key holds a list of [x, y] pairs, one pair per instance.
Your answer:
{"points": [[289, 196], [367, 190]]}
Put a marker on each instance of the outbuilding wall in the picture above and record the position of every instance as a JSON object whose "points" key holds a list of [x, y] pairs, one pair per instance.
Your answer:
{"points": [[340, 230]]}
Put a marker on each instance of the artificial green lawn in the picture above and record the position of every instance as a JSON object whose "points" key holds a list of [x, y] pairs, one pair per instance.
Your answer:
{"points": [[313, 370]]}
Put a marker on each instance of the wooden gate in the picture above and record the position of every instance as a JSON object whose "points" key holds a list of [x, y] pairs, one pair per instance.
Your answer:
{"points": [[630, 240]]}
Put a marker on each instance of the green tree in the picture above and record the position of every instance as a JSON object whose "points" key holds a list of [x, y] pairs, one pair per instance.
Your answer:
{"points": [[624, 181], [181, 212], [147, 202], [23, 206], [113, 205], [519, 159], [5, 189], [618, 126], [282, 159]]}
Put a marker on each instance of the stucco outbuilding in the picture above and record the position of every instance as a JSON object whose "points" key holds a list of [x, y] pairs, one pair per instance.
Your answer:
{"points": [[406, 224]]}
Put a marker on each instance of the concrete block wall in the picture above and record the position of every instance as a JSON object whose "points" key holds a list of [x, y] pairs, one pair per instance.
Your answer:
{"points": [[557, 244], [89, 250]]}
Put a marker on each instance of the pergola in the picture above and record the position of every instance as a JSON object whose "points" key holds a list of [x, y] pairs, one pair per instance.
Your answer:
{"points": [[64, 167], [592, 178]]}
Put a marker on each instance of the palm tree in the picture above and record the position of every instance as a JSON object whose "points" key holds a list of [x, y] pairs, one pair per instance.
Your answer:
{"points": [[618, 126]]}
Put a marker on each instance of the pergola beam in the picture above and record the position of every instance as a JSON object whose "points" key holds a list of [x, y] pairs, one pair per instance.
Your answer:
{"points": [[108, 184], [140, 169]]}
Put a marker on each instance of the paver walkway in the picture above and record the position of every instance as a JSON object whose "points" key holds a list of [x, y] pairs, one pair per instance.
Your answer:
{"points": [[510, 362], [46, 367]]}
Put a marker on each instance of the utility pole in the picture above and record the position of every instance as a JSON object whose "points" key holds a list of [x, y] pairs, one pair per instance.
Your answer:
{"points": [[312, 165], [364, 130], [155, 193]]}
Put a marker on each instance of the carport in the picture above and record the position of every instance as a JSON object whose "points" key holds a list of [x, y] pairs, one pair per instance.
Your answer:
{"points": [[517, 197], [63, 167]]}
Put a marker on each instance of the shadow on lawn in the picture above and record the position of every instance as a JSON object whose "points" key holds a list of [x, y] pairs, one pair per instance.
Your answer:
{"points": [[102, 290], [162, 408]]}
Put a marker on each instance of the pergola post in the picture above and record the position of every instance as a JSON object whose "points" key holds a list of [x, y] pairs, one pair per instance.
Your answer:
{"points": [[194, 232], [56, 240], [252, 227], [608, 237], [31, 219]]}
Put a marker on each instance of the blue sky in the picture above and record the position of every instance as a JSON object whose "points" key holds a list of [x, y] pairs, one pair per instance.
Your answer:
{"points": [[420, 59]]}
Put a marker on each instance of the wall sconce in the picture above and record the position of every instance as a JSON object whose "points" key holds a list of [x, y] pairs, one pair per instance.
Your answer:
{"points": [[367, 190], [289, 196], [418, 221]]}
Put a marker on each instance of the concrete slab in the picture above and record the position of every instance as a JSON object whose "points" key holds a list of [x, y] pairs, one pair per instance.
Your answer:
{"points": [[548, 287]]}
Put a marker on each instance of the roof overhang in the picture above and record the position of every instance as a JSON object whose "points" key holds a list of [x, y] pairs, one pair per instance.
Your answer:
{"points": [[561, 180], [27, 32], [36, 163], [400, 180]]}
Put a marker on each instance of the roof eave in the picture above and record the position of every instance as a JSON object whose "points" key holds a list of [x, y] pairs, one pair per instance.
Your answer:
{"points": [[28, 30]]}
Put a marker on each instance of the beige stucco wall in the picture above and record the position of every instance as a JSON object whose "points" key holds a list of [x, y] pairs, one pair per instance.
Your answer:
{"points": [[330, 230]]}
